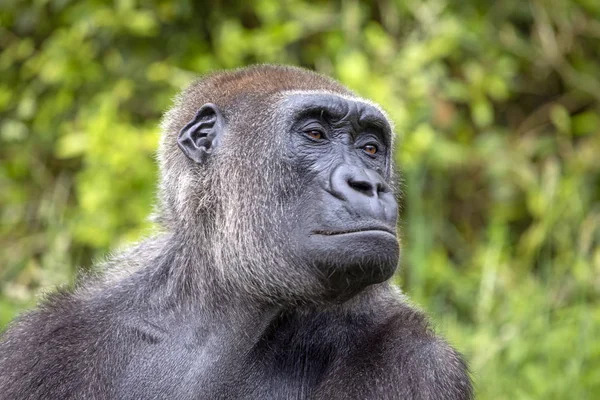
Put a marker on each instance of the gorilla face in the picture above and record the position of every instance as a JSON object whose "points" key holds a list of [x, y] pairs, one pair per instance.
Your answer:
{"points": [[347, 211]]}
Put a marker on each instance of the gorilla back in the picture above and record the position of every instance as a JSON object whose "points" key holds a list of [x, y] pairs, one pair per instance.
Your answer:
{"points": [[268, 279]]}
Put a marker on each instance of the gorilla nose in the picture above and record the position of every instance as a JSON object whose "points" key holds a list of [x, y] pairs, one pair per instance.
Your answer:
{"points": [[366, 185], [348, 182], [364, 192]]}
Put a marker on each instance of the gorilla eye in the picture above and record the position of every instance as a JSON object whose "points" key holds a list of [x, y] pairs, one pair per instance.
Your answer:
{"points": [[315, 134], [370, 149]]}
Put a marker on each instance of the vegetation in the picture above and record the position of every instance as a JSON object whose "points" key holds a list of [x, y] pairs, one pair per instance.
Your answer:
{"points": [[497, 110]]}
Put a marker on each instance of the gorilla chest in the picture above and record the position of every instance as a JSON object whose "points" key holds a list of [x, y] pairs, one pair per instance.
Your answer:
{"points": [[295, 371], [314, 358], [318, 371], [297, 358]]}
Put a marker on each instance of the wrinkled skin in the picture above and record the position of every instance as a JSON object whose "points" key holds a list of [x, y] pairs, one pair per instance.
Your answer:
{"points": [[347, 226], [269, 277]]}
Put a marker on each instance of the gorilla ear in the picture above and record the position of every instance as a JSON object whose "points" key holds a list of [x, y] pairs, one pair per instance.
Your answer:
{"points": [[202, 134]]}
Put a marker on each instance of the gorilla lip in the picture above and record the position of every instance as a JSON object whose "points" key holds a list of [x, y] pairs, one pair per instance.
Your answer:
{"points": [[346, 231]]}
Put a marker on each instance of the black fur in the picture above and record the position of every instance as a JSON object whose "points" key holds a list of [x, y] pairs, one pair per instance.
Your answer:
{"points": [[268, 277]]}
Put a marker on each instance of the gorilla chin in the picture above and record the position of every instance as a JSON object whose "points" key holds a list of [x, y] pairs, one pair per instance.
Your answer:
{"points": [[352, 260]]}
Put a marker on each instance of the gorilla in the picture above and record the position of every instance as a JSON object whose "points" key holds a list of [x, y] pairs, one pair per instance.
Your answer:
{"points": [[268, 276]]}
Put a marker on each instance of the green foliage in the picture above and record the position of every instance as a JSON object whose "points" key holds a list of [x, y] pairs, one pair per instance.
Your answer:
{"points": [[497, 108]]}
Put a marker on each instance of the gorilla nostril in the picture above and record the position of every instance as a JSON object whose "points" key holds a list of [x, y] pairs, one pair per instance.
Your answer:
{"points": [[362, 186]]}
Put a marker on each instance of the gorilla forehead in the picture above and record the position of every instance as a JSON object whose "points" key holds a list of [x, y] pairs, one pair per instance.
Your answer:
{"points": [[324, 97]]}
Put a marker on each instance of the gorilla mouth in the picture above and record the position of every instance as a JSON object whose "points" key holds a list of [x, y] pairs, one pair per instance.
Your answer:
{"points": [[356, 230]]}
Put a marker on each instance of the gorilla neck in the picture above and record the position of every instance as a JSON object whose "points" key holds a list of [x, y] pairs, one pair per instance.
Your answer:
{"points": [[186, 278], [189, 277], [211, 316]]}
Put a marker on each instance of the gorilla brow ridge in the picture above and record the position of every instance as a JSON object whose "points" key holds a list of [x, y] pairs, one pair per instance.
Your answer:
{"points": [[359, 99]]}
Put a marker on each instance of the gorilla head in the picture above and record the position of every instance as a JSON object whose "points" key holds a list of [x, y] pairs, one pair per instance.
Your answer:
{"points": [[281, 179]]}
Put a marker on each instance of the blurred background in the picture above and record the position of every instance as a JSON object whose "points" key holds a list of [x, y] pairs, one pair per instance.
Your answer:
{"points": [[497, 109]]}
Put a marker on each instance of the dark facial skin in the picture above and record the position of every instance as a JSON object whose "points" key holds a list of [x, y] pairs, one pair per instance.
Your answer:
{"points": [[348, 213]]}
